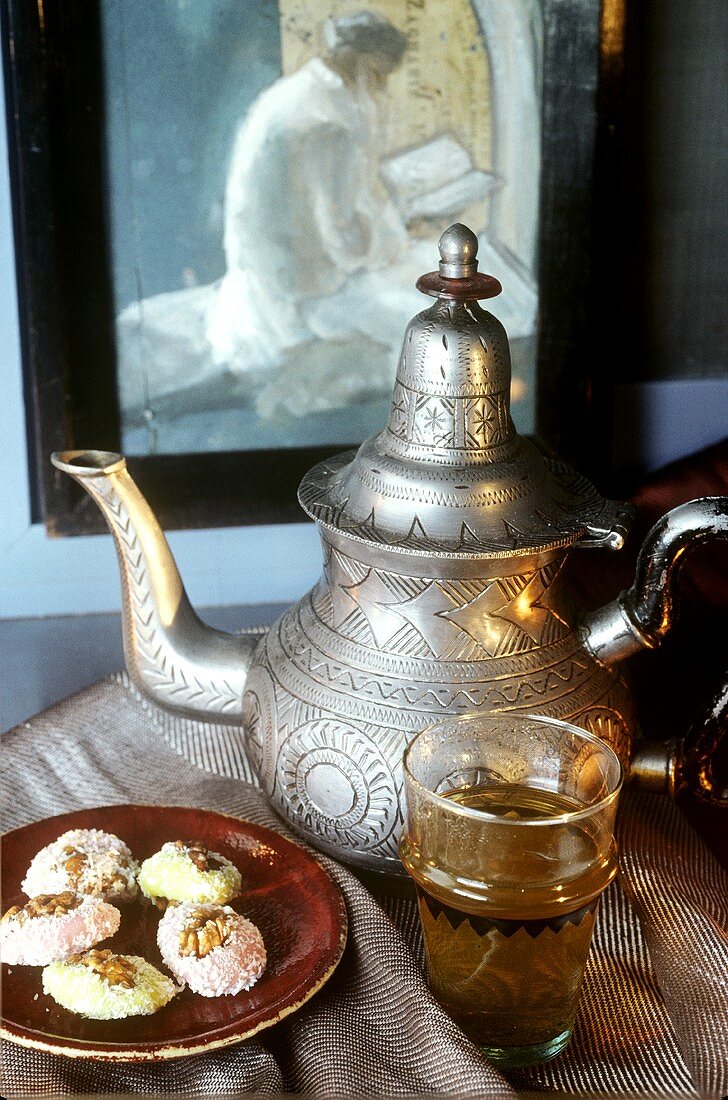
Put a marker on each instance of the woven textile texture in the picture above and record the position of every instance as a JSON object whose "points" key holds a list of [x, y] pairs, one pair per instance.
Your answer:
{"points": [[653, 1018]]}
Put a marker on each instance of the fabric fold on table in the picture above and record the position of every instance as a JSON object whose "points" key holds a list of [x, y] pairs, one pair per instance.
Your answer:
{"points": [[680, 893], [374, 1030]]}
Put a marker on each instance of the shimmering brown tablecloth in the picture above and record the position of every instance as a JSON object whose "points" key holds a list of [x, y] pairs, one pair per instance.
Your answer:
{"points": [[653, 1019]]}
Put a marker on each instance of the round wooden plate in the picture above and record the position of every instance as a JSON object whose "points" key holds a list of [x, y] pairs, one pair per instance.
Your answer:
{"points": [[286, 893]]}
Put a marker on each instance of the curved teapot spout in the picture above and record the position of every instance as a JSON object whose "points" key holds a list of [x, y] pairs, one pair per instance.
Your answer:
{"points": [[171, 656], [642, 615]]}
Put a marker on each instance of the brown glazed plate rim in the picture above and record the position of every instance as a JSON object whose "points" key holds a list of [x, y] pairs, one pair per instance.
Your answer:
{"points": [[286, 891]]}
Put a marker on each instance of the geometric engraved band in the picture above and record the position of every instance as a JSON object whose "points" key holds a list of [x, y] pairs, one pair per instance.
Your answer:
{"points": [[482, 925]]}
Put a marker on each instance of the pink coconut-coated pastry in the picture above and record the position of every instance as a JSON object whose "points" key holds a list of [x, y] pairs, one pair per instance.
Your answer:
{"points": [[211, 948], [85, 861], [50, 927]]}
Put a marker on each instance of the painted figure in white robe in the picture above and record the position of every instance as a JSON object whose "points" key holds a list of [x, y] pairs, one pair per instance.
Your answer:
{"points": [[320, 270], [305, 205]]}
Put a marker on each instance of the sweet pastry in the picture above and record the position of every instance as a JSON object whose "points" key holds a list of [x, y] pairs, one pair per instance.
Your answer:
{"points": [[84, 861], [212, 948], [102, 985], [188, 871], [50, 927]]}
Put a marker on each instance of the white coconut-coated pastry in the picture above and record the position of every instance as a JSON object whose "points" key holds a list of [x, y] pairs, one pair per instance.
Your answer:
{"points": [[51, 927], [84, 861], [215, 950]]}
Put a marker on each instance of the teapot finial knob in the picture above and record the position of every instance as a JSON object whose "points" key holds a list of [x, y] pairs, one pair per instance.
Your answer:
{"points": [[458, 278], [458, 252]]}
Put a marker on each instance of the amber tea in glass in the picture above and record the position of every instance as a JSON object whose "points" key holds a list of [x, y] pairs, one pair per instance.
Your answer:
{"points": [[509, 840]]}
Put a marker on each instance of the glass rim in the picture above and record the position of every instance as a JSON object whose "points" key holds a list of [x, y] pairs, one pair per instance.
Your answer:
{"points": [[485, 815]]}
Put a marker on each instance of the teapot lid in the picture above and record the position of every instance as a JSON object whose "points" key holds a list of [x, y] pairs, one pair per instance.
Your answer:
{"points": [[449, 474]]}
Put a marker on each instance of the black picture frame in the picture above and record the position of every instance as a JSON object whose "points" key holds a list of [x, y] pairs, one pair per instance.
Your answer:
{"points": [[54, 95]]}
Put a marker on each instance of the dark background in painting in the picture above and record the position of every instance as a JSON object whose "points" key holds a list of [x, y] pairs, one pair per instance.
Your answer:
{"points": [[179, 76]]}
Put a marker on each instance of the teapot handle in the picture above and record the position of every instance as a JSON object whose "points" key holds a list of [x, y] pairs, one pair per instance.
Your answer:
{"points": [[642, 615]]}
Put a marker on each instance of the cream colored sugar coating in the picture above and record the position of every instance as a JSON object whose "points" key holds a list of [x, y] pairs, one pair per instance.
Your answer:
{"points": [[83, 991], [171, 873]]}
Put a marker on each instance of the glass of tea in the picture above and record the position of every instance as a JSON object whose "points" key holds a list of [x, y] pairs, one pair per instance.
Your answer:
{"points": [[509, 840]]}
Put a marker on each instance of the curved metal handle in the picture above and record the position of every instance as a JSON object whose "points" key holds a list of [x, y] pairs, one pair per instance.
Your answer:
{"points": [[642, 615]]}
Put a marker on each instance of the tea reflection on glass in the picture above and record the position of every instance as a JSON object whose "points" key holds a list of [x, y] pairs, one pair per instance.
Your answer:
{"points": [[510, 843]]}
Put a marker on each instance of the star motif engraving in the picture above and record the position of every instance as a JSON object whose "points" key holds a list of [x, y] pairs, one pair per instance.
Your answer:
{"points": [[487, 422], [481, 422], [432, 423], [398, 415]]}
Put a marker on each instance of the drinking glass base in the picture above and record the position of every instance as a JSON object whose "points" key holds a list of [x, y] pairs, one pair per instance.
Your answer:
{"points": [[511, 1057]]}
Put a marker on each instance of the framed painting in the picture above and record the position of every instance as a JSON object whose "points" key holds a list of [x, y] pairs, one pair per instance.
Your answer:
{"points": [[221, 210]]}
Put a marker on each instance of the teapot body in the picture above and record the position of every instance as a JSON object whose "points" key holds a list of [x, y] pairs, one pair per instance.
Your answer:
{"points": [[387, 643]]}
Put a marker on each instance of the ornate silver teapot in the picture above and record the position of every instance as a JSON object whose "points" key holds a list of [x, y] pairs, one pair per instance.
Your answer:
{"points": [[444, 538]]}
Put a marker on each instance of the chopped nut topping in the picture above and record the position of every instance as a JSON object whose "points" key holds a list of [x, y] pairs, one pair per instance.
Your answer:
{"points": [[75, 862], [202, 857], [116, 881], [114, 969], [97, 878], [45, 905], [204, 930]]}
